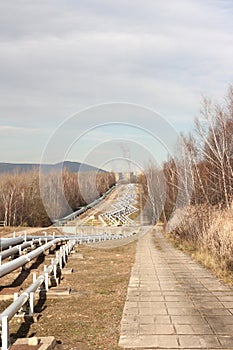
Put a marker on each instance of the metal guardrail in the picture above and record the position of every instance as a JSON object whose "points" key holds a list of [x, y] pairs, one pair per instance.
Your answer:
{"points": [[28, 295]]}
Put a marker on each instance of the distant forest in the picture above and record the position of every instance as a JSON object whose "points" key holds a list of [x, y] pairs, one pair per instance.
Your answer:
{"points": [[20, 197]]}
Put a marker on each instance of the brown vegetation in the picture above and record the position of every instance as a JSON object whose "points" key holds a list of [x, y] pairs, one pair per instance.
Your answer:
{"points": [[207, 234]]}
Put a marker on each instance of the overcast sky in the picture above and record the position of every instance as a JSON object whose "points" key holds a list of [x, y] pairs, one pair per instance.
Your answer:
{"points": [[58, 57]]}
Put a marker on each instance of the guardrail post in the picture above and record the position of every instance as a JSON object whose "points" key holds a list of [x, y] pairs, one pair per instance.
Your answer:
{"points": [[60, 259], [64, 251], [31, 304], [0, 260], [46, 279], [16, 295], [54, 264], [5, 333], [34, 277], [57, 257], [64, 254], [71, 246], [25, 236]]}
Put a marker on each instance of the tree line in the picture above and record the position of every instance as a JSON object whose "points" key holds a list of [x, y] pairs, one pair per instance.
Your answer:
{"points": [[20, 197], [202, 171]]}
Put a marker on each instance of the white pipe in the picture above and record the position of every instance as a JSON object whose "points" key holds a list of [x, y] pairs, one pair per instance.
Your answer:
{"points": [[12, 251], [22, 260]]}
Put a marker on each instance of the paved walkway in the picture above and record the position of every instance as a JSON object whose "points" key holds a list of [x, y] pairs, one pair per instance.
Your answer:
{"points": [[173, 302]]}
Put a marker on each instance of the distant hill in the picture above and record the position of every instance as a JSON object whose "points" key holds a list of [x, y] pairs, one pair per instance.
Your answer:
{"points": [[73, 167]]}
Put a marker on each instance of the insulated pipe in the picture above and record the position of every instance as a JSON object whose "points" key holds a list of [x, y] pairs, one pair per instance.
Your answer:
{"points": [[12, 251], [48, 238], [5, 243], [22, 260]]}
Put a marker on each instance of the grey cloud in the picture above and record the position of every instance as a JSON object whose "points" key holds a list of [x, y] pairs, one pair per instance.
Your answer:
{"points": [[59, 56], [13, 130]]}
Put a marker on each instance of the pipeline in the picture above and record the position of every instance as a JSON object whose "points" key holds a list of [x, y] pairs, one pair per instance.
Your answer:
{"points": [[18, 249], [22, 260], [5, 243]]}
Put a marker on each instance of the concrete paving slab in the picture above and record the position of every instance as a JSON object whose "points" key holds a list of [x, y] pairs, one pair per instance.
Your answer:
{"points": [[228, 304], [178, 311], [199, 341], [152, 319], [225, 298], [188, 320], [156, 329], [193, 329], [153, 310], [223, 328], [226, 340], [219, 321], [208, 304], [217, 312], [150, 341]]}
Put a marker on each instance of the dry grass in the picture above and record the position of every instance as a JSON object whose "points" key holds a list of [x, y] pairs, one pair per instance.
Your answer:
{"points": [[90, 317], [215, 264], [4, 231], [207, 234]]}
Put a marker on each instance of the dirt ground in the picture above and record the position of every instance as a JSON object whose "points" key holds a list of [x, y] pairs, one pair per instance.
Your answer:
{"points": [[89, 318]]}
